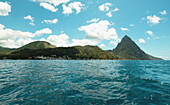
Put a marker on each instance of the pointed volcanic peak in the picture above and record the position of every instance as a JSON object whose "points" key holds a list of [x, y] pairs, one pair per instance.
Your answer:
{"points": [[37, 45], [128, 49]]}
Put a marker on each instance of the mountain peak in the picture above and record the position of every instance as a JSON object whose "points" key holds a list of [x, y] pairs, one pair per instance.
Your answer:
{"points": [[128, 49], [126, 38]]}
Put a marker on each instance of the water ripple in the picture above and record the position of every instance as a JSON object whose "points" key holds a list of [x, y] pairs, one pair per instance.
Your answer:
{"points": [[81, 82]]}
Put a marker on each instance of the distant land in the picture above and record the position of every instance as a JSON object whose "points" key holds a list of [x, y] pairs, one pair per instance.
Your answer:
{"points": [[127, 49]]}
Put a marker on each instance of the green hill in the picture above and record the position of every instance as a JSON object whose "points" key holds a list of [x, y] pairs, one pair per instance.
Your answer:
{"points": [[4, 50], [37, 45], [77, 52], [93, 52], [127, 49]]}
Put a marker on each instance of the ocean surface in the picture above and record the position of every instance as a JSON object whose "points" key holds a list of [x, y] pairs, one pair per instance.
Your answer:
{"points": [[84, 82]]}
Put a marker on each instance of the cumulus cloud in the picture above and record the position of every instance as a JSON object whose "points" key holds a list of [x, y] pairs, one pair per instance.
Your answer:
{"points": [[2, 26], [54, 21], [109, 14], [54, 2], [153, 19], [5, 8], [48, 7], [104, 7], [29, 17], [67, 10], [51, 4], [16, 38], [11, 43], [102, 45], [61, 40], [43, 31], [150, 33], [100, 31], [116, 9], [124, 29], [83, 42], [6, 33], [163, 12], [142, 41], [94, 20], [75, 5]]}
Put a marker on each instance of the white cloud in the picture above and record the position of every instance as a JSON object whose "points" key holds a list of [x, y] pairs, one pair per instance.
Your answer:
{"points": [[23, 41], [43, 31], [102, 45], [16, 38], [48, 7], [163, 12], [29, 17], [11, 43], [5, 8], [100, 31], [113, 43], [142, 41], [116, 9], [61, 40], [6, 33], [109, 14], [153, 19], [150, 33], [124, 29], [104, 7], [83, 42], [67, 10], [132, 25], [2, 27], [94, 20], [12, 34], [54, 2], [75, 5], [54, 21]]}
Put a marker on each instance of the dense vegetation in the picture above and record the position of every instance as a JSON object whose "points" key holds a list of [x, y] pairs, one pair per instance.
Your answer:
{"points": [[37, 45], [77, 52]]}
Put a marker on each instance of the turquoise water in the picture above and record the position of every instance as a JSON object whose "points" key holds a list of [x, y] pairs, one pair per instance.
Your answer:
{"points": [[80, 82]]}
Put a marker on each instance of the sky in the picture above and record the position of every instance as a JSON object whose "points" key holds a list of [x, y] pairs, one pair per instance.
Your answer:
{"points": [[87, 22]]}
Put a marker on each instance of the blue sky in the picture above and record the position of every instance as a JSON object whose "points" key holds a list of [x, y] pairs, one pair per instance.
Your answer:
{"points": [[83, 22]]}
